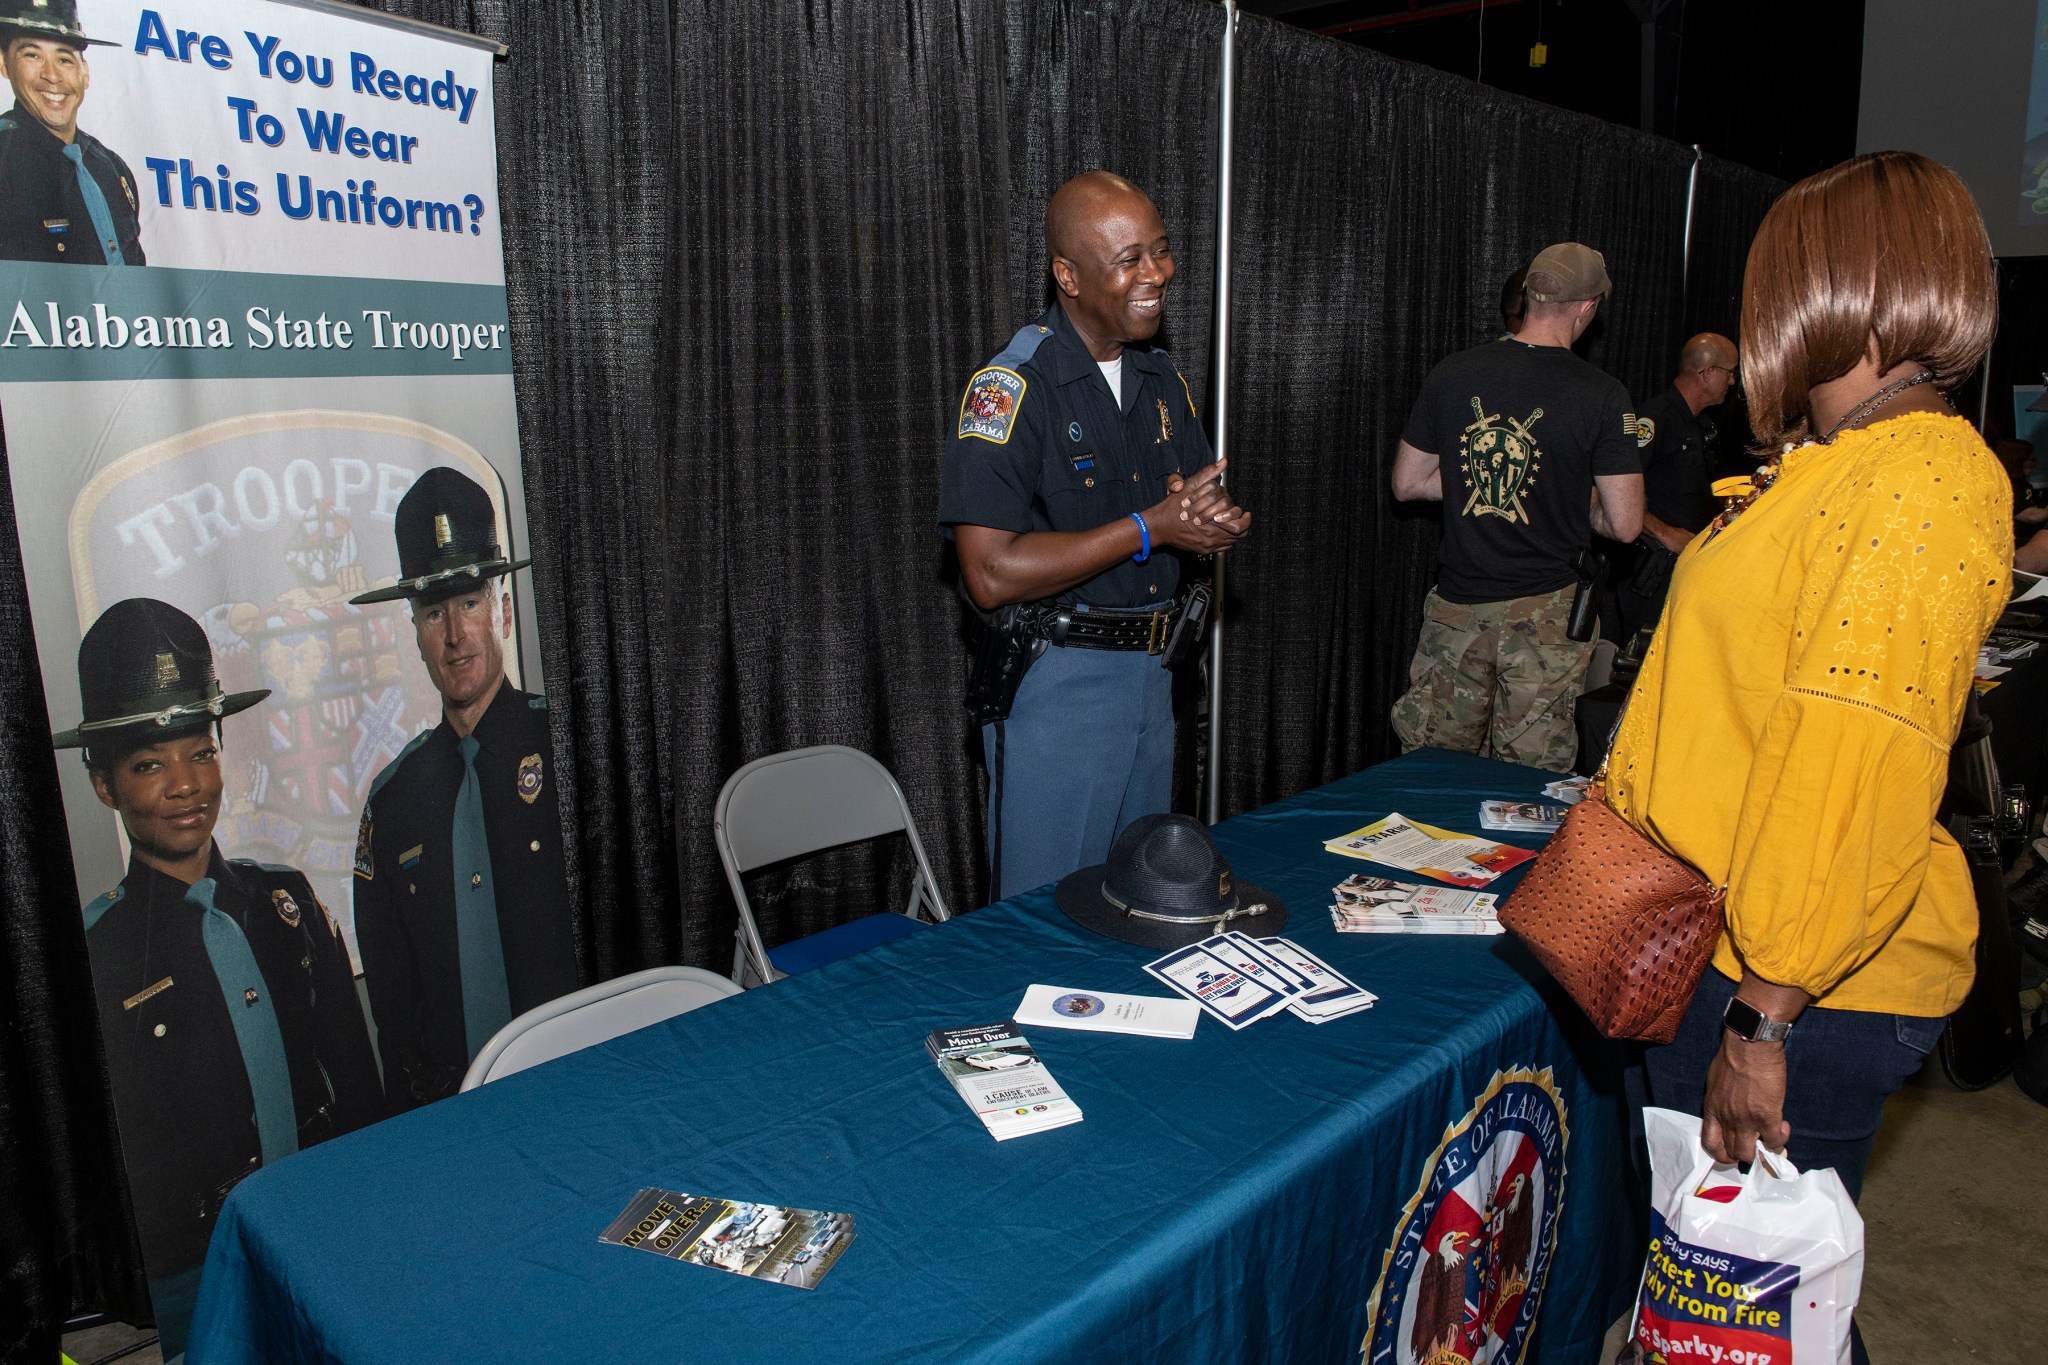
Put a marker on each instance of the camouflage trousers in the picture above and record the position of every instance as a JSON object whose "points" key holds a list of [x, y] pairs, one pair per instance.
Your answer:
{"points": [[1497, 679]]}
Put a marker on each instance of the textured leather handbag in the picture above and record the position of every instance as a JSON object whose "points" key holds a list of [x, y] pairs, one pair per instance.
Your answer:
{"points": [[1625, 927]]}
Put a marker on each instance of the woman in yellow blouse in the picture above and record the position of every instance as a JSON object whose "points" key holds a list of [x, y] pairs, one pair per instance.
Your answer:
{"points": [[1790, 729]]}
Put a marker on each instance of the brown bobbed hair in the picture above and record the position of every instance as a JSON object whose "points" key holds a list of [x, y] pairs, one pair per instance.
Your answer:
{"points": [[1887, 245]]}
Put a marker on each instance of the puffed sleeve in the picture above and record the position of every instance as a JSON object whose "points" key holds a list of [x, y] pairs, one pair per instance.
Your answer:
{"points": [[1835, 832]]}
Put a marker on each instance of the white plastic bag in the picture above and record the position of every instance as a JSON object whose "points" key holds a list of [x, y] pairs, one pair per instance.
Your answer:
{"points": [[1757, 1269]]}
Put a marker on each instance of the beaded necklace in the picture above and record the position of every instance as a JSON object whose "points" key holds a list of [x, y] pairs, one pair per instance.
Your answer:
{"points": [[1767, 472]]}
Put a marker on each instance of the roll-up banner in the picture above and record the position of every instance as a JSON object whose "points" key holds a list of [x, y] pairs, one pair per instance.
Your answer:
{"points": [[252, 290]]}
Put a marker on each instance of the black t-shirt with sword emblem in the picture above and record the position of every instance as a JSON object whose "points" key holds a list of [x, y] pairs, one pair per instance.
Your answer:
{"points": [[1520, 431]]}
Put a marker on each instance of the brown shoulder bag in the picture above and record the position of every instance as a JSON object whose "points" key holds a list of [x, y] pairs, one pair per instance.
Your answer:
{"points": [[1625, 927]]}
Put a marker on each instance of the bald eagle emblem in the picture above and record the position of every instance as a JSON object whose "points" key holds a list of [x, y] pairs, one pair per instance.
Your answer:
{"points": [[1463, 1279], [1500, 460]]}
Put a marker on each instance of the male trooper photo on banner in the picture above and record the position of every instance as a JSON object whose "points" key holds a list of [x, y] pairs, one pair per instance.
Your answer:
{"points": [[233, 1031], [461, 900], [65, 196]]}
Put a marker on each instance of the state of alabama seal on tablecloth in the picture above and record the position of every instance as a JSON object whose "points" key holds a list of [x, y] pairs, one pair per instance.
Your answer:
{"points": [[1464, 1276]]}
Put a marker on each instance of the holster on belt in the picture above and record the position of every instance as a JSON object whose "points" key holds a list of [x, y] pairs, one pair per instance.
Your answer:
{"points": [[1007, 642], [1591, 567]]}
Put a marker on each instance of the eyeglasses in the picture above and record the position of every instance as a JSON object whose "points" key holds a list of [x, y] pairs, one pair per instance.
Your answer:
{"points": [[1732, 371]]}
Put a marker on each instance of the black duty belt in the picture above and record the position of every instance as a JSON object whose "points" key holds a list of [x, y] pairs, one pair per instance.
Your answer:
{"points": [[1100, 629]]}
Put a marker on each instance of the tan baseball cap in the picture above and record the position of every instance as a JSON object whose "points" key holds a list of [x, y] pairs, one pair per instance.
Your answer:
{"points": [[1568, 272]]}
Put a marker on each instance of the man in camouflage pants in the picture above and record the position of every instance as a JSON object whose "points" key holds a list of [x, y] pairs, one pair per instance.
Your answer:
{"points": [[1530, 450]]}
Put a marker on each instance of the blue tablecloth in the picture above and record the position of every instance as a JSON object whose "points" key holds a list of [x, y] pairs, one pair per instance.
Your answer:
{"points": [[1234, 1197]]}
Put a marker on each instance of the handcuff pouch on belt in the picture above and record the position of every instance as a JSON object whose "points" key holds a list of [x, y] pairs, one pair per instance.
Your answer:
{"points": [[1008, 640]]}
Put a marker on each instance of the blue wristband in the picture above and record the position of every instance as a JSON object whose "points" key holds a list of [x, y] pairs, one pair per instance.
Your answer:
{"points": [[1145, 534]]}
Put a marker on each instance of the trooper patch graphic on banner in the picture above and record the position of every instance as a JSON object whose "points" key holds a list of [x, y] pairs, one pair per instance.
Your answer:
{"points": [[989, 407], [1501, 460], [1464, 1275]]}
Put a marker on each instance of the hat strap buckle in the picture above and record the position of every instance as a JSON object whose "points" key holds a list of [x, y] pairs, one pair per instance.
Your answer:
{"points": [[210, 706]]}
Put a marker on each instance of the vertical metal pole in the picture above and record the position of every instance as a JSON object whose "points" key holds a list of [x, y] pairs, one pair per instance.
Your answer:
{"points": [[1219, 365], [1692, 189]]}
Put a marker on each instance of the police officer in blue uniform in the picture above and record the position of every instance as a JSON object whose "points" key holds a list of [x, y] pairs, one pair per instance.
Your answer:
{"points": [[233, 1032], [64, 195], [1078, 476], [461, 897]]}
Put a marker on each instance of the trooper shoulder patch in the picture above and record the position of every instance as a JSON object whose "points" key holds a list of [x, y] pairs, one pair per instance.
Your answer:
{"points": [[1646, 431], [536, 703], [989, 407]]}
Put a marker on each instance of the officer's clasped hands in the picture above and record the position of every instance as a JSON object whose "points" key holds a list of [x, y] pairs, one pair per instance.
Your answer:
{"points": [[1197, 513]]}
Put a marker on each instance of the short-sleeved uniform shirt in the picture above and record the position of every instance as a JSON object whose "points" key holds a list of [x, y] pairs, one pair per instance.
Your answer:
{"points": [[1521, 432], [43, 216], [1678, 481], [1041, 446]]}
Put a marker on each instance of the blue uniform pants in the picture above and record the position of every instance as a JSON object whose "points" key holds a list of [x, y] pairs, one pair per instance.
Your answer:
{"points": [[1087, 749]]}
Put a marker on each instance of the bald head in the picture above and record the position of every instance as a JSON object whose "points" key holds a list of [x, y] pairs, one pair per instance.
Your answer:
{"points": [[1706, 370], [1110, 260]]}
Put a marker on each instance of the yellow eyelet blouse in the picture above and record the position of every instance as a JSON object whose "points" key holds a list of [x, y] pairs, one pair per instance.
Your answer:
{"points": [[1789, 732]]}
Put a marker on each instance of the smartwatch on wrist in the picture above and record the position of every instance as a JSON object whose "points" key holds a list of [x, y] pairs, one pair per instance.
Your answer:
{"points": [[1748, 1023]]}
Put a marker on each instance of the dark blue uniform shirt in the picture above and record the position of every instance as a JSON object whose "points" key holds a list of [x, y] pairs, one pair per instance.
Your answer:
{"points": [[405, 891], [42, 211], [1041, 446], [182, 1095]]}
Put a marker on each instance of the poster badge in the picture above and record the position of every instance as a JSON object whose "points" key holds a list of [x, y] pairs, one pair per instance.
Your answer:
{"points": [[1465, 1273], [287, 908], [529, 778]]}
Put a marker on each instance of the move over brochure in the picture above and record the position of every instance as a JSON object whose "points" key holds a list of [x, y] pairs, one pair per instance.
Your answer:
{"points": [[1002, 1080]]}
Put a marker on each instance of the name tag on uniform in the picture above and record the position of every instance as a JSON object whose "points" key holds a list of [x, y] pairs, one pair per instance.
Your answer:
{"points": [[57, 224], [411, 855], [1082, 459], [158, 989]]}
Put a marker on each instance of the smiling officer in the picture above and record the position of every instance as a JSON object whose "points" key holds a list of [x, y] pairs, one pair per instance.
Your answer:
{"points": [[461, 898], [233, 1031], [1078, 463], [64, 196]]}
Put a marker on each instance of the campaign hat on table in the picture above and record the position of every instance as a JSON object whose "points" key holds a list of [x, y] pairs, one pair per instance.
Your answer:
{"points": [[1166, 886], [1568, 272], [145, 670], [46, 19], [447, 540]]}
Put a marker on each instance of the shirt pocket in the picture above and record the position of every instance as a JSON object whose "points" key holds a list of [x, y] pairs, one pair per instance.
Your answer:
{"points": [[1080, 492]]}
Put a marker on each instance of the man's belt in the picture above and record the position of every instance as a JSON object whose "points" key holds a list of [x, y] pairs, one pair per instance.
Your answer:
{"points": [[1098, 629]]}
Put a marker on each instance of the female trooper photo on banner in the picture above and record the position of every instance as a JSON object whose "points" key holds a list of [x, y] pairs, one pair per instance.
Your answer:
{"points": [[65, 197], [233, 1031], [461, 900]]}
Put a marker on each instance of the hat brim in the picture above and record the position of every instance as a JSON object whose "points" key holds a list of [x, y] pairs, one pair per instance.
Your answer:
{"points": [[440, 587], [29, 28], [232, 703], [1080, 897]]}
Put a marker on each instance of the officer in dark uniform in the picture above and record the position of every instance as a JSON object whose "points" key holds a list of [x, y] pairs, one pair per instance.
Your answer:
{"points": [[64, 196], [461, 898], [233, 1032], [1678, 475], [1077, 468]]}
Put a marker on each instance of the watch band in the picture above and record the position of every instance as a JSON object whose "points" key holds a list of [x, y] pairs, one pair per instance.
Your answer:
{"points": [[1748, 1023]]}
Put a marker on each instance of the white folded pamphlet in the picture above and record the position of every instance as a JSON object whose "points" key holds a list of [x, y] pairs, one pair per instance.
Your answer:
{"points": [[1150, 1015]]}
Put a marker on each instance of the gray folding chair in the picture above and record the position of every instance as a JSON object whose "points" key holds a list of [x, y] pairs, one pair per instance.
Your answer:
{"points": [[806, 801], [587, 1017]]}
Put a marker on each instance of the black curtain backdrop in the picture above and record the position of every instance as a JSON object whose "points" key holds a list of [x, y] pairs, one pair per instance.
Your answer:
{"points": [[753, 251]]}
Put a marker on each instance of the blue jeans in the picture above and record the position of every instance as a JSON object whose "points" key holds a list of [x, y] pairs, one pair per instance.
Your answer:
{"points": [[1840, 1065], [1087, 749]]}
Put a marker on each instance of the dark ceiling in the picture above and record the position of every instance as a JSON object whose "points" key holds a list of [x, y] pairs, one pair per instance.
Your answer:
{"points": [[1770, 83]]}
